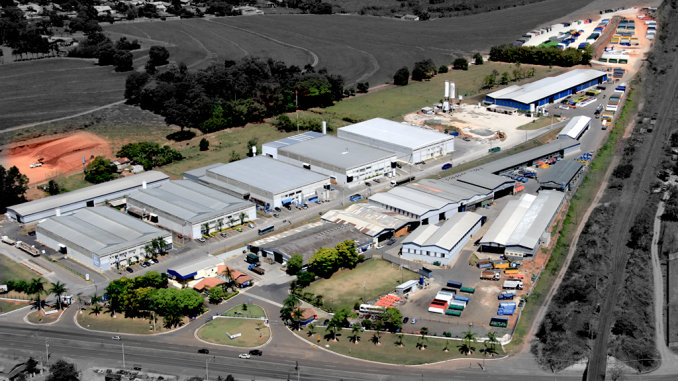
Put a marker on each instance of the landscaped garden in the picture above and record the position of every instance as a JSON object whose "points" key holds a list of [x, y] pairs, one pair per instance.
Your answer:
{"points": [[345, 287], [251, 332], [397, 348]]}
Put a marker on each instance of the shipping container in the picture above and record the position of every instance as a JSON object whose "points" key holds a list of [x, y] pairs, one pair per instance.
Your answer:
{"points": [[453, 284], [500, 264], [511, 271], [499, 321], [468, 290], [462, 298], [484, 265], [452, 312]]}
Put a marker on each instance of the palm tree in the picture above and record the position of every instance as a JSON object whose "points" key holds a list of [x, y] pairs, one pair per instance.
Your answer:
{"points": [[447, 346], [319, 300], [378, 326], [206, 226], [149, 249], [491, 341], [423, 338], [96, 309], [311, 329], [231, 221], [242, 217], [399, 342], [332, 327], [357, 329], [220, 224], [468, 338], [58, 289], [228, 274], [37, 288], [297, 314], [291, 301]]}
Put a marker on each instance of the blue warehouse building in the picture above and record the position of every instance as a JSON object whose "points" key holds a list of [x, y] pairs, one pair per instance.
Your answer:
{"points": [[547, 90]]}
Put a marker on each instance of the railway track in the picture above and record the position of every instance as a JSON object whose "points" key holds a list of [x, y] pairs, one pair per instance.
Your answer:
{"points": [[629, 205]]}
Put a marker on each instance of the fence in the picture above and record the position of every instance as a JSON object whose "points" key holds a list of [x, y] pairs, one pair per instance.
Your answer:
{"points": [[413, 266], [248, 315]]}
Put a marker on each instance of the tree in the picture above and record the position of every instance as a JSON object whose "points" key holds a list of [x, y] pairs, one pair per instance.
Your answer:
{"points": [[478, 59], [423, 338], [379, 326], [206, 228], [332, 327], [489, 81], [217, 294], [305, 278], [58, 289], [468, 339], [123, 60], [204, 144], [392, 319], [460, 64], [173, 304], [356, 330], [491, 342], [13, 187], [158, 55], [399, 341], [319, 300], [505, 78], [311, 329], [220, 224], [297, 314], [63, 371], [150, 69], [100, 170], [134, 83], [295, 263], [54, 187], [242, 217], [36, 288], [443, 69], [347, 255], [401, 77], [363, 87], [324, 261]]}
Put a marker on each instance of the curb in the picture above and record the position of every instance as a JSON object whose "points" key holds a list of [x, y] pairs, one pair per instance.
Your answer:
{"points": [[386, 363], [11, 312], [56, 321]]}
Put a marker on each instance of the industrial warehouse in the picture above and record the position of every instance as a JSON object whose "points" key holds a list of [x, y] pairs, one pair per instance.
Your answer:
{"points": [[411, 144], [556, 148], [184, 206], [377, 222], [575, 128], [522, 226], [563, 175], [100, 237], [264, 181], [86, 197], [548, 90], [346, 162], [307, 239], [442, 244], [430, 201]]}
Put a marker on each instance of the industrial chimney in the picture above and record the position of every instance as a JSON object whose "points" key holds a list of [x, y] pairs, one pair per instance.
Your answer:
{"points": [[324, 128]]}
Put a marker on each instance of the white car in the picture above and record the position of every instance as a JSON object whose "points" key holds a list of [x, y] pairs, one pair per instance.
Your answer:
{"points": [[244, 355], [116, 338]]}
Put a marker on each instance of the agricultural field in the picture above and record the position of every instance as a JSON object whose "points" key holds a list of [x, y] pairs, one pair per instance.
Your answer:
{"points": [[345, 287]]}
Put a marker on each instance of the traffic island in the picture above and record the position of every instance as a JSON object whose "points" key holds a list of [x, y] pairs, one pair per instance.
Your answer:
{"points": [[105, 322], [241, 326], [396, 348], [46, 316]]}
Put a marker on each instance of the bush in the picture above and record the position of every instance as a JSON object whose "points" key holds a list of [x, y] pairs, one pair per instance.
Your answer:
{"points": [[443, 69], [158, 55], [541, 55], [149, 154], [423, 70], [460, 64], [363, 87], [204, 144], [401, 77], [478, 59], [181, 136], [100, 170], [623, 171]]}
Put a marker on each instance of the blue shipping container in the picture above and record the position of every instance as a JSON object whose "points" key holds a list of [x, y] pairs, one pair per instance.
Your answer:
{"points": [[453, 284], [484, 265], [462, 298]]}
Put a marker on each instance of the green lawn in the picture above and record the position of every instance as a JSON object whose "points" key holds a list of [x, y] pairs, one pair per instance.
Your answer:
{"points": [[394, 102], [536, 124], [36, 317], [345, 288], [11, 305], [215, 332], [10, 270], [252, 311], [105, 322], [389, 351]]}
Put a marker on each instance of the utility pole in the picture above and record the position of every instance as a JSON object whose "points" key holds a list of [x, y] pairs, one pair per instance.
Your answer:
{"points": [[46, 351], [364, 301], [123, 355], [297, 369]]}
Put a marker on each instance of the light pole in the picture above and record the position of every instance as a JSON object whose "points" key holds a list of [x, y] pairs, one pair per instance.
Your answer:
{"points": [[46, 351], [123, 355], [297, 369], [364, 301]]}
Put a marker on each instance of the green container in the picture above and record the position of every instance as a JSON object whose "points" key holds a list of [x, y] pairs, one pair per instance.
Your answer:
{"points": [[455, 307], [500, 324], [468, 290], [453, 313]]}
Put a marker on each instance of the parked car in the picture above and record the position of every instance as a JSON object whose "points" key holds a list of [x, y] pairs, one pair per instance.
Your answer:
{"points": [[414, 321], [256, 352], [244, 355], [391, 241], [202, 240], [224, 235], [143, 264], [288, 207], [277, 209], [116, 338], [137, 367], [149, 263], [276, 215], [405, 320], [368, 183], [447, 166], [250, 225], [155, 260], [204, 351], [129, 269], [31, 233], [377, 181]]}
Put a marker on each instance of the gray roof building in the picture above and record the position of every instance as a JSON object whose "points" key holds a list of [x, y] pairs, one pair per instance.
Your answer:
{"points": [[368, 219], [82, 198], [100, 230], [306, 240], [446, 236], [560, 175], [187, 201], [559, 147]]}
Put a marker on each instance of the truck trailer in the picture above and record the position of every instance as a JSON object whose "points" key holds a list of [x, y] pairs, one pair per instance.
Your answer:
{"points": [[490, 275], [513, 285]]}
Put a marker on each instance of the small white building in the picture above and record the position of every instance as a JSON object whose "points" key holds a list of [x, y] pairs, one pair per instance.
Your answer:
{"points": [[200, 268], [100, 237], [411, 144], [575, 128], [442, 243]]}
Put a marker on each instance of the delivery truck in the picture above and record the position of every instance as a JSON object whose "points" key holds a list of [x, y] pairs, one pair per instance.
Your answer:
{"points": [[490, 275], [513, 285]]}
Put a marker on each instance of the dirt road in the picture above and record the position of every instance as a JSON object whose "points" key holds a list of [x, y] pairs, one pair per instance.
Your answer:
{"points": [[648, 157]]}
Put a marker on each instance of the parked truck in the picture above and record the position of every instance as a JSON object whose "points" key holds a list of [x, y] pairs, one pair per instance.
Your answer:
{"points": [[256, 269], [500, 264], [513, 285], [402, 181], [28, 248], [490, 275], [484, 264], [8, 240]]}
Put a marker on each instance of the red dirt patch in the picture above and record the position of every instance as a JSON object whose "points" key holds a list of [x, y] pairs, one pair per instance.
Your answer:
{"points": [[60, 155]]}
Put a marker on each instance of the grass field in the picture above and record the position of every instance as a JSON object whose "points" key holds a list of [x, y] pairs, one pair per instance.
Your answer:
{"points": [[389, 351], [11, 305], [53, 88], [537, 124], [345, 287], [253, 311], [36, 317], [106, 323], [215, 332], [10, 270]]}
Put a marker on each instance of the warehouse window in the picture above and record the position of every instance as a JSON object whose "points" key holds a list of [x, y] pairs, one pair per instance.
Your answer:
{"points": [[442, 255], [428, 253]]}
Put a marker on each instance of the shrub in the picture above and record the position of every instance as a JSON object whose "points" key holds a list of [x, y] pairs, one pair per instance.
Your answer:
{"points": [[460, 64], [158, 55], [623, 171], [363, 87], [204, 144], [443, 69], [181, 136], [478, 59]]}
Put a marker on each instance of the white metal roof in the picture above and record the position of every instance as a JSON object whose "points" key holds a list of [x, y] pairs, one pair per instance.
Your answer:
{"points": [[396, 133], [88, 193], [369, 219], [197, 265], [337, 152], [101, 230], [523, 221], [408, 284], [575, 127], [268, 174], [447, 235], [401, 203], [543, 88]]}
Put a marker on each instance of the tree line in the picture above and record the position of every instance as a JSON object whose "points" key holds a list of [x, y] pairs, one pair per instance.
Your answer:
{"points": [[13, 187], [541, 55], [25, 37], [232, 93], [97, 45]]}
